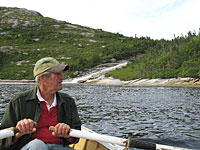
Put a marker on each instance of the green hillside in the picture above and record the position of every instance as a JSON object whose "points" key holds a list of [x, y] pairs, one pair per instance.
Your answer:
{"points": [[27, 36], [165, 59]]}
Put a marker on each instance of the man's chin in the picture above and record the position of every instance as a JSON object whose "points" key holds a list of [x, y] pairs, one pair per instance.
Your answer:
{"points": [[60, 86]]}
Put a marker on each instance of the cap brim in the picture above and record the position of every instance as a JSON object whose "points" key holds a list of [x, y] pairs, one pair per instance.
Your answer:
{"points": [[61, 67], [66, 67]]}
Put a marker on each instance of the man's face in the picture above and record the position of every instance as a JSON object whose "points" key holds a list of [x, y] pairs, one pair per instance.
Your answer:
{"points": [[53, 82]]}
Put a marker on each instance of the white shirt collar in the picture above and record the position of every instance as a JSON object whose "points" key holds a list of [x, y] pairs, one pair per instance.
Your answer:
{"points": [[42, 99]]}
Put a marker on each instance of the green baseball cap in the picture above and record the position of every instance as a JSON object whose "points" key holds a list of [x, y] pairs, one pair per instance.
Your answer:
{"points": [[49, 64]]}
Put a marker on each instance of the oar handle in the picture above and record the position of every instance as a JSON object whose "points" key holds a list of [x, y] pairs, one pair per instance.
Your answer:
{"points": [[17, 130], [141, 144], [52, 128]]}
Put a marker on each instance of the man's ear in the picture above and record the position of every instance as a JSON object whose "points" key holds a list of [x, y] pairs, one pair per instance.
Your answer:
{"points": [[42, 76]]}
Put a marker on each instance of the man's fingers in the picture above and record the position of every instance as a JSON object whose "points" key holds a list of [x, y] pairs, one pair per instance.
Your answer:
{"points": [[25, 126], [61, 129]]}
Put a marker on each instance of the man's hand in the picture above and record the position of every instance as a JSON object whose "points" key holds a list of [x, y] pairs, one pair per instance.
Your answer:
{"points": [[25, 126], [62, 130]]}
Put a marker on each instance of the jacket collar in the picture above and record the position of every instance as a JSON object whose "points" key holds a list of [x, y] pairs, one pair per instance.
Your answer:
{"points": [[60, 100], [31, 94]]}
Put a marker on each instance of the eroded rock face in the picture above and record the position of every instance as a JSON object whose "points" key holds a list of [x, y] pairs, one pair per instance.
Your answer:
{"points": [[19, 17], [183, 82]]}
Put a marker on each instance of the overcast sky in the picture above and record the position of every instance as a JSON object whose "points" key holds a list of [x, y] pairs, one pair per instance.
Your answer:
{"points": [[153, 18]]}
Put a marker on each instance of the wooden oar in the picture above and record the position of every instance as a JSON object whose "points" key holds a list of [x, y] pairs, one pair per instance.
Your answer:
{"points": [[8, 132], [120, 141]]}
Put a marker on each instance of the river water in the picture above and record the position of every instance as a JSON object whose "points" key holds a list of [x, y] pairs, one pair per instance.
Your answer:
{"points": [[163, 115]]}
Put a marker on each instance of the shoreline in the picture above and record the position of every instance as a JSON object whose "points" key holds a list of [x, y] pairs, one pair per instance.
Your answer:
{"points": [[17, 81], [173, 82]]}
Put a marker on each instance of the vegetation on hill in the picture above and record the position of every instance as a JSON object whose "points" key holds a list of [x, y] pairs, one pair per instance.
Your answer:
{"points": [[179, 57], [27, 36]]}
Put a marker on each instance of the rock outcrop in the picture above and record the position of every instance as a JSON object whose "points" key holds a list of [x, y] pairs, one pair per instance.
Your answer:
{"points": [[184, 82]]}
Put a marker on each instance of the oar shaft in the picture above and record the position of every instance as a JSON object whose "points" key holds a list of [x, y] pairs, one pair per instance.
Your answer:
{"points": [[120, 141], [95, 136], [5, 133]]}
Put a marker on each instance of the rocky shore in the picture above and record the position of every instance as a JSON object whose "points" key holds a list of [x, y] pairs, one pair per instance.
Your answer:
{"points": [[182, 82]]}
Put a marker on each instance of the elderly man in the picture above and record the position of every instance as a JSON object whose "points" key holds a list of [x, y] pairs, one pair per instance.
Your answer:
{"points": [[46, 106]]}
